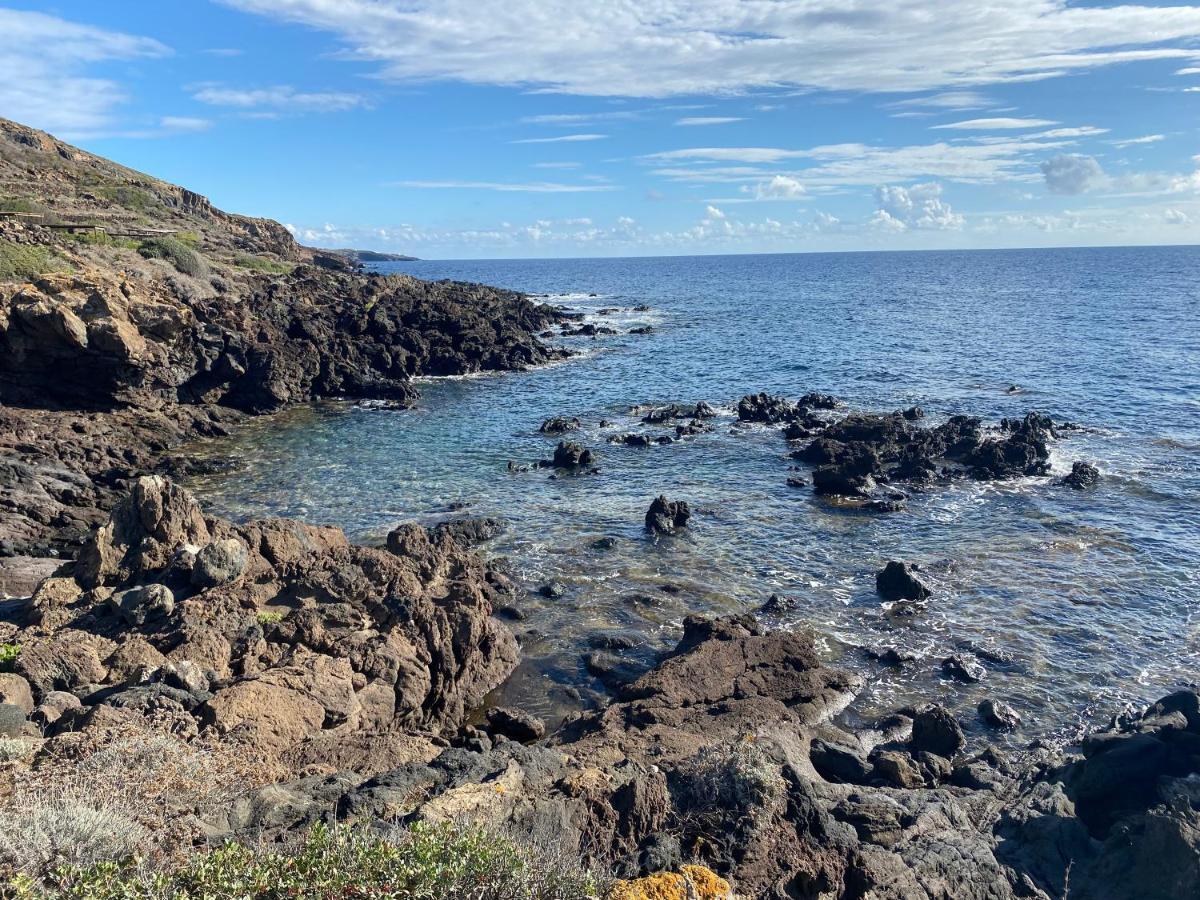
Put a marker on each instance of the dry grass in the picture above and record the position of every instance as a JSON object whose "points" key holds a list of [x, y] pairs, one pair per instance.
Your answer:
{"points": [[85, 799]]}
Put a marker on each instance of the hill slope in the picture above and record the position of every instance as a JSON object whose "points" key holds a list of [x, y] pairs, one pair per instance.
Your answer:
{"points": [[134, 314]]}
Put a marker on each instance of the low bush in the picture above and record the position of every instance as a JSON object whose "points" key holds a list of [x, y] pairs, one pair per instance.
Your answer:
{"points": [[261, 264], [21, 261], [424, 862], [182, 257]]}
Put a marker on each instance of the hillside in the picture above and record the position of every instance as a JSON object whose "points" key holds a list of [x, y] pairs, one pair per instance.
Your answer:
{"points": [[135, 315]]}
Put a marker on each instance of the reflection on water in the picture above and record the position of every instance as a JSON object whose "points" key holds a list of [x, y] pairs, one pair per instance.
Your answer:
{"points": [[1092, 594]]}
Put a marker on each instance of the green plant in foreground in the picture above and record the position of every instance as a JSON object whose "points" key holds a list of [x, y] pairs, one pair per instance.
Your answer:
{"points": [[424, 862], [8, 656], [182, 257]]}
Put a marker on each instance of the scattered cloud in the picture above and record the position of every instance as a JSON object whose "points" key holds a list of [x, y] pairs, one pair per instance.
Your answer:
{"points": [[45, 78], [997, 124], [564, 138], [1070, 173], [536, 187], [687, 47], [920, 206], [708, 120], [278, 99], [947, 100], [1147, 139]]}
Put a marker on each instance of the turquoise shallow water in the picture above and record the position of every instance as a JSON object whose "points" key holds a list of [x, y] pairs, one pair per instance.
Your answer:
{"points": [[1095, 594]]}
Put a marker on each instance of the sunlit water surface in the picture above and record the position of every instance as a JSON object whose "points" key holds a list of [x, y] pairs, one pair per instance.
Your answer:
{"points": [[1093, 593]]}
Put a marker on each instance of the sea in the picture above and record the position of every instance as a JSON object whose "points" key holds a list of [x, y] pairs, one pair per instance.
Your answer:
{"points": [[1076, 603]]}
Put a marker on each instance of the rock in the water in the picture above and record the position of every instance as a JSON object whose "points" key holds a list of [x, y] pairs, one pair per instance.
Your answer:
{"points": [[900, 581], [219, 563], [665, 516], [999, 715], [570, 455], [935, 730], [516, 724], [1083, 475], [559, 425], [963, 668]]}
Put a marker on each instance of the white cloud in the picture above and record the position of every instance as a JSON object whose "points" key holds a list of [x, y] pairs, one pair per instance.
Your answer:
{"points": [[1148, 139], [564, 138], [997, 124], [537, 187], [184, 123], [779, 187], [1071, 173], [920, 206], [708, 120], [280, 98], [947, 100], [674, 47], [44, 63]]}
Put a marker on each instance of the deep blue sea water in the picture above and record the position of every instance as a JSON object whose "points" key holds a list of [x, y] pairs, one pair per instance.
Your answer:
{"points": [[1095, 594]]}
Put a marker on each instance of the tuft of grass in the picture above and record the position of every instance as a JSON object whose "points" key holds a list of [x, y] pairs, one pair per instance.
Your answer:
{"points": [[181, 256], [423, 862], [737, 782], [261, 264], [8, 656], [22, 261]]}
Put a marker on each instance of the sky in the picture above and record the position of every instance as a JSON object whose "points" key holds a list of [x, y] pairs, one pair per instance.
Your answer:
{"points": [[531, 128]]}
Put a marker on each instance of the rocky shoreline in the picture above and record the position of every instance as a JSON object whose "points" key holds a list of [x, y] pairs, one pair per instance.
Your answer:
{"points": [[354, 672], [354, 684]]}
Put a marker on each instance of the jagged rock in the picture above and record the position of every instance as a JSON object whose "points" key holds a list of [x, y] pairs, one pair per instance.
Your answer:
{"points": [[963, 668], [516, 724], [559, 425], [1083, 475], [219, 563], [15, 691], [900, 581], [1000, 715], [936, 731], [570, 455], [665, 516], [12, 720], [140, 604]]}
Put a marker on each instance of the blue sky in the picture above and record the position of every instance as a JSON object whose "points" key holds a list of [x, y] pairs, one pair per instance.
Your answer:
{"points": [[478, 128]]}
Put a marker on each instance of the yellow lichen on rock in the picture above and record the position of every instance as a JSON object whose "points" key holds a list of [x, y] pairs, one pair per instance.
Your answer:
{"points": [[689, 883]]}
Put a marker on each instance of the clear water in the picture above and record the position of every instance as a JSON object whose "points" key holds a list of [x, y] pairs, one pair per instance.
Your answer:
{"points": [[1095, 594]]}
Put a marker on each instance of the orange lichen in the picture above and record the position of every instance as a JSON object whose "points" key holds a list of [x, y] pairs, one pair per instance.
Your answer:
{"points": [[689, 883]]}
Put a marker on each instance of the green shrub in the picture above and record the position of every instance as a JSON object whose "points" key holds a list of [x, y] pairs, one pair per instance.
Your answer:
{"points": [[8, 656], [128, 197], [261, 264], [20, 261], [424, 862], [182, 257], [104, 239]]}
